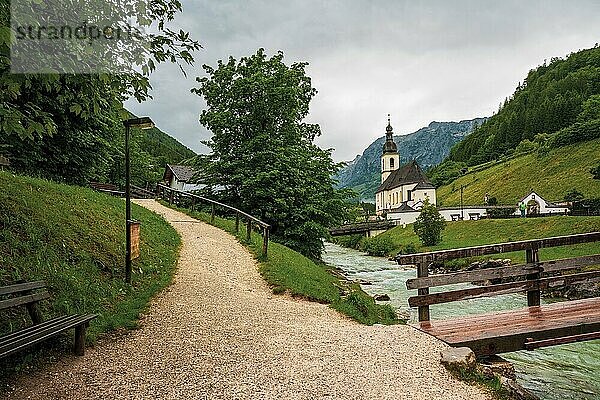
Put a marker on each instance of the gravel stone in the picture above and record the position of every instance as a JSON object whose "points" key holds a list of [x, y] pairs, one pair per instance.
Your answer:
{"points": [[218, 333]]}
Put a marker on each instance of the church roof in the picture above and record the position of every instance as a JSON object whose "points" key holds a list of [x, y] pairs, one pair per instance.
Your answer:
{"points": [[424, 185], [403, 208], [409, 173]]}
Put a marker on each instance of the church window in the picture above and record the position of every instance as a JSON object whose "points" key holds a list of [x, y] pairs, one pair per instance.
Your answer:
{"points": [[391, 163]]}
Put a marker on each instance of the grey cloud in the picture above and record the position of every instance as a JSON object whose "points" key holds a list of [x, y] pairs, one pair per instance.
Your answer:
{"points": [[419, 60]]}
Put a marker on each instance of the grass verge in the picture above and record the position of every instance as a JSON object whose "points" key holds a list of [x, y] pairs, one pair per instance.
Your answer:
{"points": [[288, 271], [486, 231], [74, 239]]}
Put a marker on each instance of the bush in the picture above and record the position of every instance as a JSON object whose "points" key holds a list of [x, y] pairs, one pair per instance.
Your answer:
{"points": [[595, 172], [574, 195], [379, 246], [429, 225]]}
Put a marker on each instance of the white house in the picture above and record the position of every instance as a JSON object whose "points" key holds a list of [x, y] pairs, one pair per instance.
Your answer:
{"points": [[179, 176], [403, 188], [536, 204]]}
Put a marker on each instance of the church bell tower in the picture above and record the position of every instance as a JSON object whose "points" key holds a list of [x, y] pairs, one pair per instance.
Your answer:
{"points": [[390, 159]]}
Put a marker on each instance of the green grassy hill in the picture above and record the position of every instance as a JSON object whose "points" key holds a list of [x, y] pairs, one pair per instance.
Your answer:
{"points": [[551, 176], [488, 231], [74, 239]]}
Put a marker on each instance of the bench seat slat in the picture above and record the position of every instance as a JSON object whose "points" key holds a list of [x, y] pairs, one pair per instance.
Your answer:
{"points": [[21, 287], [21, 300], [39, 336], [34, 328]]}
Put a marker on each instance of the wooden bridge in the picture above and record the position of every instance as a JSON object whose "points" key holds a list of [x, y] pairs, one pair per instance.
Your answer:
{"points": [[528, 328], [368, 228]]}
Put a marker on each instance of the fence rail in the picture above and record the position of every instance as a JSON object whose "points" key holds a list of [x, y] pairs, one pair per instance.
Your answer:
{"points": [[175, 195]]}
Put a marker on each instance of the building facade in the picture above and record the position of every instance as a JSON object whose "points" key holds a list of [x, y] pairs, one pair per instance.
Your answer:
{"points": [[403, 188]]}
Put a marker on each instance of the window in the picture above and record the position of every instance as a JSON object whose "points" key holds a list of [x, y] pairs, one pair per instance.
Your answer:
{"points": [[391, 163], [409, 195], [383, 164]]}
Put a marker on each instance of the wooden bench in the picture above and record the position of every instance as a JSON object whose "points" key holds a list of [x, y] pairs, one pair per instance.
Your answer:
{"points": [[474, 216], [527, 328], [455, 217], [28, 295]]}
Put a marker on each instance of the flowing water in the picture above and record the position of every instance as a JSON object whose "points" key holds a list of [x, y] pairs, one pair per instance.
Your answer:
{"points": [[567, 372]]}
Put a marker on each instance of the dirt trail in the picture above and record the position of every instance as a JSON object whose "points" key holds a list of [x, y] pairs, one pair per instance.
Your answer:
{"points": [[219, 333]]}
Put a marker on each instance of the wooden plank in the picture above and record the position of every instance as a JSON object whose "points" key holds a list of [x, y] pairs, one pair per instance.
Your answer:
{"points": [[423, 271], [511, 330], [503, 288], [18, 301], [499, 248], [21, 287], [531, 344], [502, 272]]}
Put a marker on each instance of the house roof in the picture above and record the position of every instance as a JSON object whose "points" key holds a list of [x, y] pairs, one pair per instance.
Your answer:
{"points": [[409, 173], [183, 173]]}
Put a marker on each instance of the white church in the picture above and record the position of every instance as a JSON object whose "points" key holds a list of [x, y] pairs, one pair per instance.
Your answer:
{"points": [[403, 191], [404, 188]]}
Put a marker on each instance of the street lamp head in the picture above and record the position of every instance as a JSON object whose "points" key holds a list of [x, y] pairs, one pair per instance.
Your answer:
{"points": [[142, 123]]}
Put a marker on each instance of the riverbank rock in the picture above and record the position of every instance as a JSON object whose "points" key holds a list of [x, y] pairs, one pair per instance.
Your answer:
{"points": [[497, 365], [381, 297], [575, 292], [488, 264], [458, 358]]}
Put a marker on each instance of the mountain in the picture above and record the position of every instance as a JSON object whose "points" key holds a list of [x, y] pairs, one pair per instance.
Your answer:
{"points": [[429, 146], [552, 97]]}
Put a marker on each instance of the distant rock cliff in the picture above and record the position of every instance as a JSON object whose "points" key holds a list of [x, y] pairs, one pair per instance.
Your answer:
{"points": [[429, 146]]}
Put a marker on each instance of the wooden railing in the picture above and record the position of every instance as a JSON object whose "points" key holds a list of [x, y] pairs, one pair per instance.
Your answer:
{"points": [[174, 196], [533, 274]]}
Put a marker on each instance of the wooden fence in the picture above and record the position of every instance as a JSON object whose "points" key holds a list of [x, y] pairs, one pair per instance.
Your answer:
{"points": [[174, 196]]}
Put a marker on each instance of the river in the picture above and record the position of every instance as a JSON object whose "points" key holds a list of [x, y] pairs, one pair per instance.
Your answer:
{"points": [[566, 372]]}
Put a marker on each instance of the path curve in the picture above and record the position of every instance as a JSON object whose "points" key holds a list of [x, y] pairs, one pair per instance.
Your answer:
{"points": [[219, 333]]}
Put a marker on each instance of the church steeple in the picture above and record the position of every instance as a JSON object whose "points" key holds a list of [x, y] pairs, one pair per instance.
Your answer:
{"points": [[390, 159], [389, 145]]}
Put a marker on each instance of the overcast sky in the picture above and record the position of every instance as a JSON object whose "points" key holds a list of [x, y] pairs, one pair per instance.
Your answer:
{"points": [[420, 61]]}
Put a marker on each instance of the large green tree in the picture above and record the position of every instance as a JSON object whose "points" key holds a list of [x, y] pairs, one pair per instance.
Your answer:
{"points": [[67, 126], [263, 158]]}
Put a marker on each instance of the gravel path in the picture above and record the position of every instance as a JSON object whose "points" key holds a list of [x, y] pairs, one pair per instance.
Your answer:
{"points": [[219, 333]]}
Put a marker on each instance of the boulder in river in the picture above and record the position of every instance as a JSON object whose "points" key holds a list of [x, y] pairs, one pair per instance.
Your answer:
{"points": [[381, 297]]}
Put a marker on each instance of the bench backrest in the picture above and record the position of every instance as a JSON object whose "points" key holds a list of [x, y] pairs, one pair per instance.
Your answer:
{"points": [[531, 277], [27, 294]]}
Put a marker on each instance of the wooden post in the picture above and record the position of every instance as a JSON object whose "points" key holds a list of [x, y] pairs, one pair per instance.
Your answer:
{"points": [[423, 272], [79, 347], [533, 296], [248, 229], [157, 190], [193, 203], [171, 197], [237, 222], [34, 312], [265, 240], [212, 213]]}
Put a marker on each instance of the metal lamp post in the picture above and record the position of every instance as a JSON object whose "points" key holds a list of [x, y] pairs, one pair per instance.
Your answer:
{"points": [[141, 123]]}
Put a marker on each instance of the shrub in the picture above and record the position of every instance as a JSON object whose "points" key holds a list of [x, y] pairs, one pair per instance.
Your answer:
{"points": [[574, 195], [378, 246], [429, 225]]}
